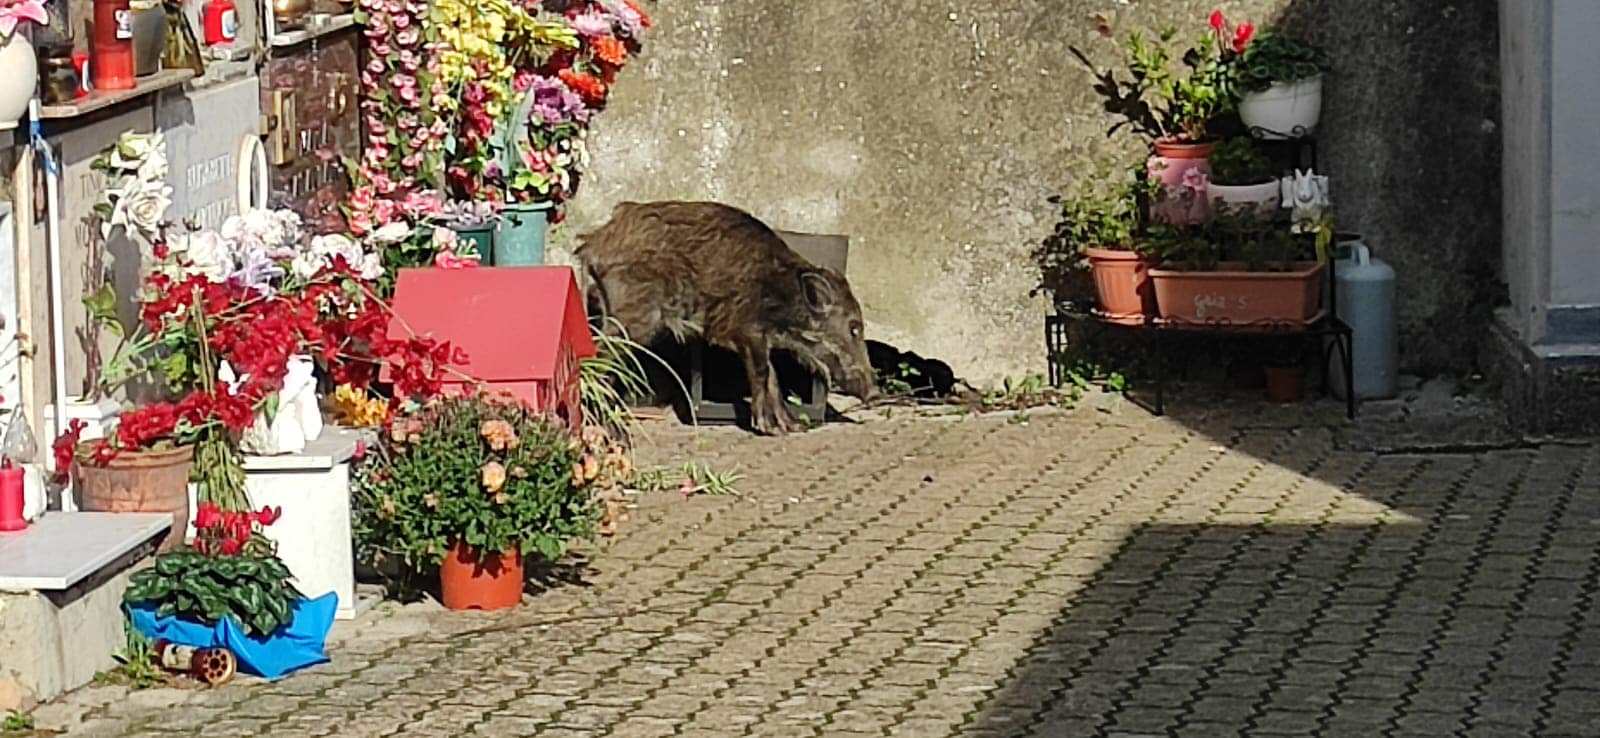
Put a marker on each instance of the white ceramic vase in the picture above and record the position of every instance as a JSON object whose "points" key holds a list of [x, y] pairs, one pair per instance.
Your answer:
{"points": [[19, 75], [1283, 110]]}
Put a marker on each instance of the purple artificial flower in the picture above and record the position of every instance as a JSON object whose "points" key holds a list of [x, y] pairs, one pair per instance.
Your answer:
{"points": [[554, 103]]}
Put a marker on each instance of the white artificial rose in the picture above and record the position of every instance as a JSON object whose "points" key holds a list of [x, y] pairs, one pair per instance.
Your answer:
{"points": [[371, 267], [392, 233], [307, 264], [146, 208], [208, 254]]}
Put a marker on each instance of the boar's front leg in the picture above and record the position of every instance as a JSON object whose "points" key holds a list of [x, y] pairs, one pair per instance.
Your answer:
{"points": [[767, 413]]}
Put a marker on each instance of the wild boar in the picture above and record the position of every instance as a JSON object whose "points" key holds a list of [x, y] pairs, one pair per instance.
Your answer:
{"points": [[699, 269]]}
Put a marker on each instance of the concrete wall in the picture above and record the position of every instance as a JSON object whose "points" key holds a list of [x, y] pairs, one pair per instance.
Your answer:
{"points": [[932, 133]]}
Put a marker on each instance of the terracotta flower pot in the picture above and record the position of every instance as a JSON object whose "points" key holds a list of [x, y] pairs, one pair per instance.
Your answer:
{"points": [[1232, 295], [139, 481], [1122, 282], [1283, 383], [1183, 169], [495, 583]]}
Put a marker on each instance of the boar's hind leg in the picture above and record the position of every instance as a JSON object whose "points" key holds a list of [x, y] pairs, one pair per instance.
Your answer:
{"points": [[768, 416]]}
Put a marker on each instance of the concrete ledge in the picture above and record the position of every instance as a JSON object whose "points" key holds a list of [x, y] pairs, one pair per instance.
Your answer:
{"points": [[1548, 390], [53, 641]]}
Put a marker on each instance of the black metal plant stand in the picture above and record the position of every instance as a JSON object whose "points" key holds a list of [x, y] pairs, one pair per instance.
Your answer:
{"points": [[1327, 336]]}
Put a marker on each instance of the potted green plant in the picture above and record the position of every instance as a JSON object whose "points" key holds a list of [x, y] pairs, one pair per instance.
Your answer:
{"points": [[1096, 230], [473, 485], [1241, 177], [1280, 81], [1170, 100], [1238, 269]]}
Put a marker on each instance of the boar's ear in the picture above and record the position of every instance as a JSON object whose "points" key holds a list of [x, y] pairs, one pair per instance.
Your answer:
{"points": [[817, 289]]}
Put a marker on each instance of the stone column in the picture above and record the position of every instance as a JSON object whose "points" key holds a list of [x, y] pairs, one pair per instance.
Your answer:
{"points": [[1547, 347]]}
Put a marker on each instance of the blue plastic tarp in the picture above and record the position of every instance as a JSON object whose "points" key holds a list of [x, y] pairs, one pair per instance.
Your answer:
{"points": [[290, 649]]}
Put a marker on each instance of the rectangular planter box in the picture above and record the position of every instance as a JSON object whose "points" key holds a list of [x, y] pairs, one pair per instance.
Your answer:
{"points": [[1229, 295]]}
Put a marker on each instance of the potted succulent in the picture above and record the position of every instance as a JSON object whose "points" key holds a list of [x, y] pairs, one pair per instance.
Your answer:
{"points": [[1281, 84], [1239, 269], [1170, 99], [475, 223], [1242, 177], [17, 60], [473, 485]]}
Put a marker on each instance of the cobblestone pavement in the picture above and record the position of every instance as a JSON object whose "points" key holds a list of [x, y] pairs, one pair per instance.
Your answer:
{"points": [[1084, 573]]}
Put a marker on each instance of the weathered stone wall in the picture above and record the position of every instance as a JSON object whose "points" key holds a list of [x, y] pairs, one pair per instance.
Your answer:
{"points": [[932, 133]]}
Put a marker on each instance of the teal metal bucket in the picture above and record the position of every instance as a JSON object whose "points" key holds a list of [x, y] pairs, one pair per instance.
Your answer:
{"points": [[519, 239]]}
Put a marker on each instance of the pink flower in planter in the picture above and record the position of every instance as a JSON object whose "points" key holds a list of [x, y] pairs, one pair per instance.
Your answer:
{"points": [[402, 21], [380, 49], [408, 36]]}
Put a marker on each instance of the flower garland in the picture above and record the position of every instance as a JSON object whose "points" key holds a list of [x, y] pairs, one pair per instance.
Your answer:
{"points": [[404, 135]]}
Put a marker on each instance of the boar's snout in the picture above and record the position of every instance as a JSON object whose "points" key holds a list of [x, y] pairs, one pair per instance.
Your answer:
{"points": [[841, 344]]}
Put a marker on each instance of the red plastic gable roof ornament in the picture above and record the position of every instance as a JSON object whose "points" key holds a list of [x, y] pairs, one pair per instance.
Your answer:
{"points": [[520, 331]]}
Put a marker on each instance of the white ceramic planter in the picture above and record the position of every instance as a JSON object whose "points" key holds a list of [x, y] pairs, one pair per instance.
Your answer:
{"points": [[19, 75], [1264, 197], [1283, 110]]}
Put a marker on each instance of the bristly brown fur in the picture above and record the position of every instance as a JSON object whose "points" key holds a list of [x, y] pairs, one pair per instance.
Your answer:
{"points": [[696, 269]]}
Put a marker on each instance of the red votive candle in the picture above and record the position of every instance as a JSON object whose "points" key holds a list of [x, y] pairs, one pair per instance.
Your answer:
{"points": [[11, 499]]}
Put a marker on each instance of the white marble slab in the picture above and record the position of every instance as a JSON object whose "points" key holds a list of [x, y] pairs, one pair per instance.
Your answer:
{"points": [[62, 549], [335, 446]]}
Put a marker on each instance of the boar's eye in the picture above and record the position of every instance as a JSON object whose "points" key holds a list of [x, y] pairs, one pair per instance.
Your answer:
{"points": [[855, 330]]}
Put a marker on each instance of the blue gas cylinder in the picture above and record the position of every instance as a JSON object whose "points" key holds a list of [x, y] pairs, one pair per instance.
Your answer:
{"points": [[1366, 304]]}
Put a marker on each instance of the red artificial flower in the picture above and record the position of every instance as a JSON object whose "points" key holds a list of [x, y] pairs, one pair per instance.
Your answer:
{"points": [[269, 515], [610, 50], [201, 545], [1217, 21], [231, 547], [146, 425], [207, 516], [361, 451], [63, 449], [1242, 36]]}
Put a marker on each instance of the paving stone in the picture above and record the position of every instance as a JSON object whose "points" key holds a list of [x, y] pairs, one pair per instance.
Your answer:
{"points": [[1086, 574]]}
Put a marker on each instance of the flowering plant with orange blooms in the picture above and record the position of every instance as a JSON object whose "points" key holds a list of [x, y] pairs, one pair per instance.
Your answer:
{"points": [[493, 474]]}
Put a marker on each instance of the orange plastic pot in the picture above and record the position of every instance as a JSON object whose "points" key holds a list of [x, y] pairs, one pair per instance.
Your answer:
{"points": [[492, 583], [1122, 283], [139, 481]]}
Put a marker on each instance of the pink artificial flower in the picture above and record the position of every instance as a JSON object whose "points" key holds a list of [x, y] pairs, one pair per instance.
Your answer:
{"points": [[449, 260], [402, 21], [408, 36], [13, 12], [380, 49]]}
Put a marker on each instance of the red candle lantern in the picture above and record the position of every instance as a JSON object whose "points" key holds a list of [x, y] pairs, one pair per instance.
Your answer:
{"points": [[11, 499], [112, 45]]}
